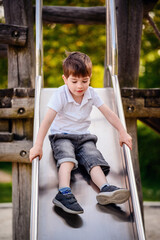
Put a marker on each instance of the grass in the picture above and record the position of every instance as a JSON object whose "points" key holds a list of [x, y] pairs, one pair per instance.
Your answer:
{"points": [[6, 192], [6, 166], [6, 188], [151, 193], [149, 158]]}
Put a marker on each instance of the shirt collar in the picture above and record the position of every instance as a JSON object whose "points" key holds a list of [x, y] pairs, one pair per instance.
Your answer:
{"points": [[69, 96], [86, 97]]}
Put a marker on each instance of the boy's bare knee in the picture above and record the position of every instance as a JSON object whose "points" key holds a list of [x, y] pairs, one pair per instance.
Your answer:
{"points": [[67, 166]]}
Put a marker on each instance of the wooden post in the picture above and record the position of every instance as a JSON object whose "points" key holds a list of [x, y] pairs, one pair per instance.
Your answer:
{"points": [[21, 74], [129, 24]]}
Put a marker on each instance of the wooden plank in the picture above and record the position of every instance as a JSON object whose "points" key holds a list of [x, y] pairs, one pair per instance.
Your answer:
{"points": [[21, 108], [129, 30], [136, 108], [152, 102], [140, 93], [17, 92], [3, 51], [16, 151], [85, 15], [154, 123], [6, 92], [133, 108], [6, 137], [21, 61], [137, 103], [4, 125], [132, 130], [13, 34], [5, 102], [21, 73], [74, 15], [21, 177]]}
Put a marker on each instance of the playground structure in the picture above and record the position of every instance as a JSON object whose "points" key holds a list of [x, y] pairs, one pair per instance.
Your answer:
{"points": [[17, 105]]}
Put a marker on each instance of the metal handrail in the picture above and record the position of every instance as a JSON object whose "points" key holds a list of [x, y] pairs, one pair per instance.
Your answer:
{"points": [[112, 45], [38, 84], [112, 61]]}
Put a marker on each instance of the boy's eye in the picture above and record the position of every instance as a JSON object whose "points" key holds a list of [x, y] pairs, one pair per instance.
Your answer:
{"points": [[85, 81]]}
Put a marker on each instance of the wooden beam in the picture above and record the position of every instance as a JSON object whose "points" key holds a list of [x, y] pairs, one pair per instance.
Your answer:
{"points": [[17, 92], [81, 15], [16, 151], [4, 125], [13, 34], [129, 28], [141, 103], [21, 108], [74, 15], [136, 108], [3, 51], [16, 103], [6, 137], [153, 123], [140, 93], [21, 73]]}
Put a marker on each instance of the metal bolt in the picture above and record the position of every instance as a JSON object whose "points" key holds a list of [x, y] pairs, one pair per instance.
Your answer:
{"points": [[23, 153], [15, 34], [21, 110], [130, 109]]}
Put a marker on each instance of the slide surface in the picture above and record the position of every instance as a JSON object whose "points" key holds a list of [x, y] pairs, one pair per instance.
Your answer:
{"points": [[97, 222]]}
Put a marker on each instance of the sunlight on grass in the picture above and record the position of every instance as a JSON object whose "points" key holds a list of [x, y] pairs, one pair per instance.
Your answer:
{"points": [[149, 159], [6, 192]]}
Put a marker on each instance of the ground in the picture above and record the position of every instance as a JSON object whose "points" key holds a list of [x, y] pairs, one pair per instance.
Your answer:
{"points": [[5, 177], [151, 215]]}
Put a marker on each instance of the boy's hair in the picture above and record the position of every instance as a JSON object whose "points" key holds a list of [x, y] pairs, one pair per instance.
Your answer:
{"points": [[77, 64]]}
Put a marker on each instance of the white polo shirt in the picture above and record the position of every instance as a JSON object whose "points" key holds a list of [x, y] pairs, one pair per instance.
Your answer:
{"points": [[72, 117]]}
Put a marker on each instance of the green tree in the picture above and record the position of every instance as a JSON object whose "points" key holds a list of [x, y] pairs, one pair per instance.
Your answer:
{"points": [[150, 52], [59, 38]]}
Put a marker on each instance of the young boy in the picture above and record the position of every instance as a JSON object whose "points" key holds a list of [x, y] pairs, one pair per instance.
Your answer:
{"points": [[72, 144]]}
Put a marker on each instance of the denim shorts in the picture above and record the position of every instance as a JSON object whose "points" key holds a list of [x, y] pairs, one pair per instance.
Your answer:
{"points": [[79, 149]]}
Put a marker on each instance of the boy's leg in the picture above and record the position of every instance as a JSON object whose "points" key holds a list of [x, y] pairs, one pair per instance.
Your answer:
{"points": [[65, 199], [98, 176], [108, 193], [64, 174]]}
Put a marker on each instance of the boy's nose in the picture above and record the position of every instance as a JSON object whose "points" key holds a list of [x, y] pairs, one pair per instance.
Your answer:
{"points": [[80, 85]]}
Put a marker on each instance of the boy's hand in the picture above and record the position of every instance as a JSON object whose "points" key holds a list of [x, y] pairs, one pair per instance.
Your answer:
{"points": [[124, 137], [35, 151]]}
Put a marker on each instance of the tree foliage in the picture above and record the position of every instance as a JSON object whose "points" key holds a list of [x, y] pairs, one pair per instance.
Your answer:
{"points": [[59, 38], [150, 53], [92, 40]]}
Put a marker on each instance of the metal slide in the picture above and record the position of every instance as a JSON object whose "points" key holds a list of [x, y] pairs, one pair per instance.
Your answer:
{"points": [[97, 222]]}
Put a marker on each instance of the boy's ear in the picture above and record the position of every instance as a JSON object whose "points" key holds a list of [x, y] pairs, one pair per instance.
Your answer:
{"points": [[64, 78]]}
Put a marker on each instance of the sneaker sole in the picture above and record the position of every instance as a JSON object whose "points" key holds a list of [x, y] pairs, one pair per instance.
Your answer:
{"points": [[60, 205], [117, 197]]}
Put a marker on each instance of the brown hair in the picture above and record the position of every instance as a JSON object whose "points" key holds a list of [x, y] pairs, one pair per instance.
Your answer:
{"points": [[77, 64]]}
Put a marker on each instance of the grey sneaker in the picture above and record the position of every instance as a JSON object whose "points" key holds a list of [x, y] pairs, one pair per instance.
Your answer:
{"points": [[68, 203], [112, 194]]}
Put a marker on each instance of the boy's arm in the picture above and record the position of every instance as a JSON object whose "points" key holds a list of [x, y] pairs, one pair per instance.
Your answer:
{"points": [[124, 137], [36, 150]]}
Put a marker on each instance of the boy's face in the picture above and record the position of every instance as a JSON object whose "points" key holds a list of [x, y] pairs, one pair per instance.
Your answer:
{"points": [[77, 85]]}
